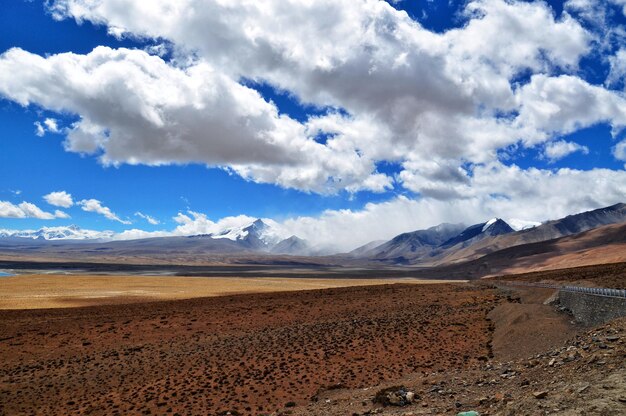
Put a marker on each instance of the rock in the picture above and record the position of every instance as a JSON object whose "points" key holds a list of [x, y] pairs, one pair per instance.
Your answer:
{"points": [[395, 396], [583, 388], [394, 399], [540, 394], [612, 338]]}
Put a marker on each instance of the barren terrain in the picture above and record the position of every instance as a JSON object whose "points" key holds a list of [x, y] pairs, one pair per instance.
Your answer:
{"points": [[458, 346], [250, 353], [67, 290], [602, 275]]}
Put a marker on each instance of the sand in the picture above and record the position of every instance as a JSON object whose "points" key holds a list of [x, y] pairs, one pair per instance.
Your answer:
{"points": [[62, 291]]}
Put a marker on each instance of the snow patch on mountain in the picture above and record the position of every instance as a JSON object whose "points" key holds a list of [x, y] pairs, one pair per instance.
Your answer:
{"points": [[518, 224], [489, 224], [267, 231]]}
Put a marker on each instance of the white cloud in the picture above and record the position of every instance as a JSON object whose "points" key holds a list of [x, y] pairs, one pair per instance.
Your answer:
{"points": [[39, 129], [48, 125], [619, 151], [442, 106], [618, 67], [555, 105], [558, 150], [93, 205], [59, 199], [136, 234], [60, 214], [148, 218], [27, 210], [412, 95], [135, 109]]}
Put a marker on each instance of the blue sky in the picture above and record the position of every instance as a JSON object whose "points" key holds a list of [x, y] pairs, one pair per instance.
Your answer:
{"points": [[411, 122]]}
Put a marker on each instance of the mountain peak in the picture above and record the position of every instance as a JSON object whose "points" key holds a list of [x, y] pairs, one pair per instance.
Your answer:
{"points": [[257, 224], [497, 226], [476, 232], [489, 223]]}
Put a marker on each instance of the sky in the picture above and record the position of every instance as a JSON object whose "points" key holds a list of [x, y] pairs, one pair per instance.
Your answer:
{"points": [[340, 121]]}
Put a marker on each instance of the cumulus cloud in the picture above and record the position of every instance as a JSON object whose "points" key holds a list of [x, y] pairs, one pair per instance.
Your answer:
{"points": [[48, 125], [441, 106], [558, 150], [27, 210], [148, 218], [59, 199], [619, 151], [60, 214], [618, 67], [135, 108], [410, 95], [93, 205]]}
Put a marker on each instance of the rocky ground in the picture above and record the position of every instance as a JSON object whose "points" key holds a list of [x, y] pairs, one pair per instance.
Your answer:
{"points": [[584, 376], [438, 349], [248, 354], [602, 275]]}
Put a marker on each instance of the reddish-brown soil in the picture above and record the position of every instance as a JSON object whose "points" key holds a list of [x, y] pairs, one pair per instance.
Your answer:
{"points": [[526, 325], [602, 275], [250, 353], [584, 376]]}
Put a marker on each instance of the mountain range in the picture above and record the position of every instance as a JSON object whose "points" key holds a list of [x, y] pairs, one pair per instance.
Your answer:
{"points": [[453, 243], [256, 237], [440, 246]]}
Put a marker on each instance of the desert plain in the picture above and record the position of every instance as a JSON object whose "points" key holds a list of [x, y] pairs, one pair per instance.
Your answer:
{"points": [[170, 345]]}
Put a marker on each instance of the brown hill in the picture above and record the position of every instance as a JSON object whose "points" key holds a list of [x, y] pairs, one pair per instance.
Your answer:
{"points": [[570, 225]]}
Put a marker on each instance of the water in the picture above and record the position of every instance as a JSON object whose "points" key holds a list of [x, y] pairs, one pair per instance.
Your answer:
{"points": [[5, 274]]}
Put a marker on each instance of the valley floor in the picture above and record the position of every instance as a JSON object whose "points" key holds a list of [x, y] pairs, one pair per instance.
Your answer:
{"points": [[72, 290], [250, 353], [459, 346]]}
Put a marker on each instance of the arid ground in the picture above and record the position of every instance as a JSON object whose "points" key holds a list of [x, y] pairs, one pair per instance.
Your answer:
{"points": [[251, 353], [70, 290], [459, 346]]}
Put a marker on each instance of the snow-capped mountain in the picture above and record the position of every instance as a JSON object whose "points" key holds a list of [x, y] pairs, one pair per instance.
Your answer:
{"points": [[71, 232], [257, 235], [477, 232], [427, 245]]}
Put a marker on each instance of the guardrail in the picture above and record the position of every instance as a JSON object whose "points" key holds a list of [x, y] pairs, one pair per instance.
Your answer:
{"points": [[596, 291]]}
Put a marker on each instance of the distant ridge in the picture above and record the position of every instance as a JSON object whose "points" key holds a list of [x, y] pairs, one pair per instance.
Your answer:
{"points": [[261, 241], [450, 243]]}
